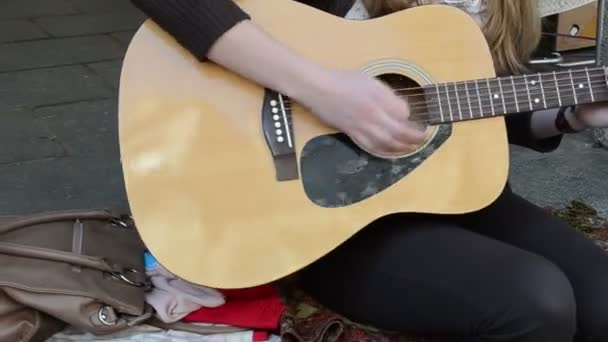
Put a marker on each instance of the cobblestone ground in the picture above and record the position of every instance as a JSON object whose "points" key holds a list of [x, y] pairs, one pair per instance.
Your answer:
{"points": [[59, 68]]}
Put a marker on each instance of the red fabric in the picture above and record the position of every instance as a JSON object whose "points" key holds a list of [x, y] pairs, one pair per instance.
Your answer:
{"points": [[254, 308], [260, 336]]}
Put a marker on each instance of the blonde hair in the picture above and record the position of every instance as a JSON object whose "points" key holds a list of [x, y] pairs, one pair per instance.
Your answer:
{"points": [[512, 28]]}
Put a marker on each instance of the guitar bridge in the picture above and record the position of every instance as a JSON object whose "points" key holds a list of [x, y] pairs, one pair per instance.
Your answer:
{"points": [[278, 131]]}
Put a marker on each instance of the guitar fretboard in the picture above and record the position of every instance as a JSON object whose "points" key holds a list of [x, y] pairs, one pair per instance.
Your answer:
{"points": [[481, 98]]}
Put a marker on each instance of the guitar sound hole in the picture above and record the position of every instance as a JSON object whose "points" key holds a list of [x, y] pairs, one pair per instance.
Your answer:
{"points": [[336, 172], [413, 93]]}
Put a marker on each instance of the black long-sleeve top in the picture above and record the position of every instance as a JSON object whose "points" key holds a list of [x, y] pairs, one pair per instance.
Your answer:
{"points": [[197, 24]]}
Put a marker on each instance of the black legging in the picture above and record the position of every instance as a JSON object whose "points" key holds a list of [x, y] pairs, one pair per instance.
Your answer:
{"points": [[510, 272]]}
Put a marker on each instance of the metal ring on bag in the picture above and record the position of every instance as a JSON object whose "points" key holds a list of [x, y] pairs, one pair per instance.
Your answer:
{"points": [[119, 222], [103, 317], [123, 277]]}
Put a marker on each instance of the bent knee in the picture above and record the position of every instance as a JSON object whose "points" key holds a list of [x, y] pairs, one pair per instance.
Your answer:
{"points": [[593, 309], [550, 301], [542, 305]]}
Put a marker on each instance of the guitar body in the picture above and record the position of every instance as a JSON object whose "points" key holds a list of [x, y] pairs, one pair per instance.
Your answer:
{"points": [[202, 183]]}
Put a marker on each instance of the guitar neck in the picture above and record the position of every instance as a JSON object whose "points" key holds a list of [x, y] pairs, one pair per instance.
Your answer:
{"points": [[483, 98]]}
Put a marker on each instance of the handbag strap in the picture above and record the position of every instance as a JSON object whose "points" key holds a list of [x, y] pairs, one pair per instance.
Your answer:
{"points": [[95, 263], [16, 222]]}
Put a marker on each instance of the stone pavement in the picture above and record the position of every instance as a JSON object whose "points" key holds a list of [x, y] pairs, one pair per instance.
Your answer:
{"points": [[59, 68]]}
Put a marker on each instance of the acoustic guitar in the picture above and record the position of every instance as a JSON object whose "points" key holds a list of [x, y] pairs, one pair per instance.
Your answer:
{"points": [[234, 185]]}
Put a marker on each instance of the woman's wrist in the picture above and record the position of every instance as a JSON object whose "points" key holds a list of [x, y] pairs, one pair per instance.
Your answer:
{"points": [[567, 121], [551, 122], [254, 54], [308, 81]]}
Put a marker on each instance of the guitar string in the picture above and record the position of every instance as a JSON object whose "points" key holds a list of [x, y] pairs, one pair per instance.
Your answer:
{"points": [[451, 85], [527, 76], [507, 83], [504, 81], [429, 117], [513, 97], [452, 92], [489, 104], [415, 106], [422, 111], [520, 87]]}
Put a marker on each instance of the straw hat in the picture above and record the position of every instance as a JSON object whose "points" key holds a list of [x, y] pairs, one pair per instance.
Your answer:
{"points": [[550, 7]]}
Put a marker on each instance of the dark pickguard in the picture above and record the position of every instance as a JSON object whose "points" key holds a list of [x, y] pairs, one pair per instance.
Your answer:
{"points": [[336, 172]]}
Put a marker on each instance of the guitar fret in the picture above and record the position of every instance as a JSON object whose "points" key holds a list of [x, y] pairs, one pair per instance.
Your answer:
{"points": [[583, 86], [439, 102], [528, 91], [447, 94], [590, 86], [504, 105], [566, 88], [468, 98], [458, 100], [559, 98], [491, 97], [599, 82], [551, 91], [479, 99], [515, 94], [542, 89], [573, 88]]}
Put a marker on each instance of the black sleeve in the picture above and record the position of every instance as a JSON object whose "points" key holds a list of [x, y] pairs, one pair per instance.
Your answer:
{"points": [[195, 24], [519, 132]]}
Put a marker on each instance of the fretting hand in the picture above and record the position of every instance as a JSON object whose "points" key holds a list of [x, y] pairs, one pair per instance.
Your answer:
{"points": [[593, 115]]}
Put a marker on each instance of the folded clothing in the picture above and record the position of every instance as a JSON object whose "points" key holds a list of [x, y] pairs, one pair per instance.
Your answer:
{"points": [[147, 333], [258, 308], [173, 298]]}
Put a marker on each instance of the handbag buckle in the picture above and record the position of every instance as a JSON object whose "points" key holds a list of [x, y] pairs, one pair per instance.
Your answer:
{"points": [[106, 316]]}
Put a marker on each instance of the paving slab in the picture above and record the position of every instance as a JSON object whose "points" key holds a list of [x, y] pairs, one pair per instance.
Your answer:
{"points": [[578, 169], [102, 6], [59, 184], [124, 37], [34, 8], [85, 129], [63, 51], [78, 25], [52, 86], [23, 139], [16, 30], [110, 71]]}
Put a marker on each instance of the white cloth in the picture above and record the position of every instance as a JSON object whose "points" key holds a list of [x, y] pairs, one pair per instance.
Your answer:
{"points": [[475, 8], [147, 333], [173, 298]]}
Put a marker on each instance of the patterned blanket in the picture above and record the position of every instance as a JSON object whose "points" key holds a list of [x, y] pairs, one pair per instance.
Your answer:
{"points": [[307, 321]]}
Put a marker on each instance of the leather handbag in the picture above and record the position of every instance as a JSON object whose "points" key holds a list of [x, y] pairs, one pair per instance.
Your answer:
{"points": [[80, 268]]}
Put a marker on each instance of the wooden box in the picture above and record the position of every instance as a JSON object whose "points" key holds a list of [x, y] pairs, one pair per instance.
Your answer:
{"points": [[579, 22]]}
